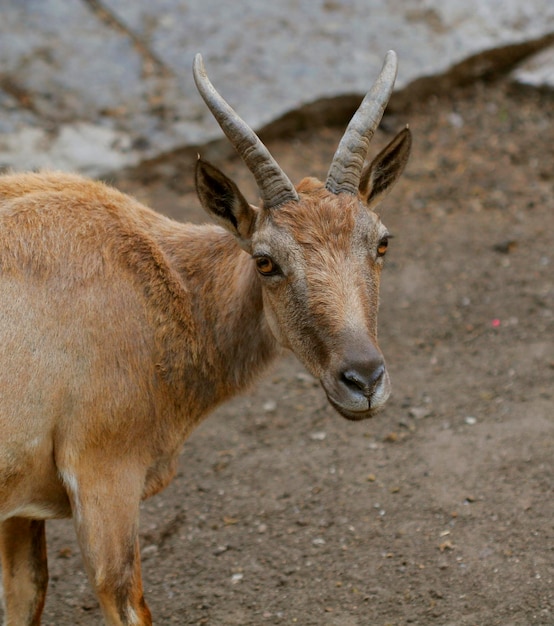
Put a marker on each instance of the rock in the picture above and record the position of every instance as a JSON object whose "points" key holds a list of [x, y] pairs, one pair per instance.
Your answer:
{"points": [[537, 71], [97, 86]]}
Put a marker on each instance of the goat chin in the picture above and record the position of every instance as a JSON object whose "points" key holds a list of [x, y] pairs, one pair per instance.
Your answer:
{"points": [[355, 416]]}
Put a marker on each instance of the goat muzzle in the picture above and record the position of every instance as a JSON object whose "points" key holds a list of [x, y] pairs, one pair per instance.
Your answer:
{"points": [[359, 386]]}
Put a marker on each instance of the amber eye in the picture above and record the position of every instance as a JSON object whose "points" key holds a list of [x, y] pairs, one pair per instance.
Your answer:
{"points": [[266, 266], [382, 247]]}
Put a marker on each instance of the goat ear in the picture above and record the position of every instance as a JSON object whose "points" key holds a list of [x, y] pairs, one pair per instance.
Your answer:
{"points": [[222, 199], [381, 174]]}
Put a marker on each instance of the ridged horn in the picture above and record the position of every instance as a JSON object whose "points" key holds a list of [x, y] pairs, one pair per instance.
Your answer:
{"points": [[346, 168], [274, 185]]}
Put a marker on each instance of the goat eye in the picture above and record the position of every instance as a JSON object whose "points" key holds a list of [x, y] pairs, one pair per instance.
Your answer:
{"points": [[266, 266], [382, 247]]}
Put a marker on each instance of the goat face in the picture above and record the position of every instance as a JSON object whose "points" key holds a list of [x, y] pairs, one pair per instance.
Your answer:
{"points": [[318, 248], [319, 260], [319, 263]]}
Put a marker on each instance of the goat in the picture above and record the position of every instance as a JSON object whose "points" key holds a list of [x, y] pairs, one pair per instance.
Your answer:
{"points": [[120, 329]]}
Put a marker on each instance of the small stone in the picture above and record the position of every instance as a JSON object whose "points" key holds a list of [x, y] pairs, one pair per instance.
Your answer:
{"points": [[65, 553], [419, 412], [456, 120], [505, 247], [318, 436], [149, 551], [470, 420], [306, 378]]}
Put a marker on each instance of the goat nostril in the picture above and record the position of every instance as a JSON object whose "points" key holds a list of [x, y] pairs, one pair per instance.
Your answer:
{"points": [[377, 375], [365, 383], [352, 379]]}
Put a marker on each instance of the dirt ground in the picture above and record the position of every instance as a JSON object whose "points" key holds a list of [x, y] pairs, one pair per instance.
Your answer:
{"points": [[441, 509]]}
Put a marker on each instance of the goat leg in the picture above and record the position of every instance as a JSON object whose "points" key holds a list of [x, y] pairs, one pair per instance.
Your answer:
{"points": [[24, 570], [105, 505]]}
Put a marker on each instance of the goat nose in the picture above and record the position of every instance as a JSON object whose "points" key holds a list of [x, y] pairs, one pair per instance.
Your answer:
{"points": [[363, 377]]}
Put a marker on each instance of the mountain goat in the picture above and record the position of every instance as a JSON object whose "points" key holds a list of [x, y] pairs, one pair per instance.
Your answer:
{"points": [[120, 329]]}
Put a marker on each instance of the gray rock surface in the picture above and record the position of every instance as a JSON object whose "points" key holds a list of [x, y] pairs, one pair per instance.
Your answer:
{"points": [[95, 85], [538, 70]]}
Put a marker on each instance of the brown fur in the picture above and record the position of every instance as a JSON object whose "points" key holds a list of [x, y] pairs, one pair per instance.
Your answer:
{"points": [[120, 329]]}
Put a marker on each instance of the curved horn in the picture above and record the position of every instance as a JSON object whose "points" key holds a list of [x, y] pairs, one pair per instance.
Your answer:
{"points": [[346, 168], [275, 187]]}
